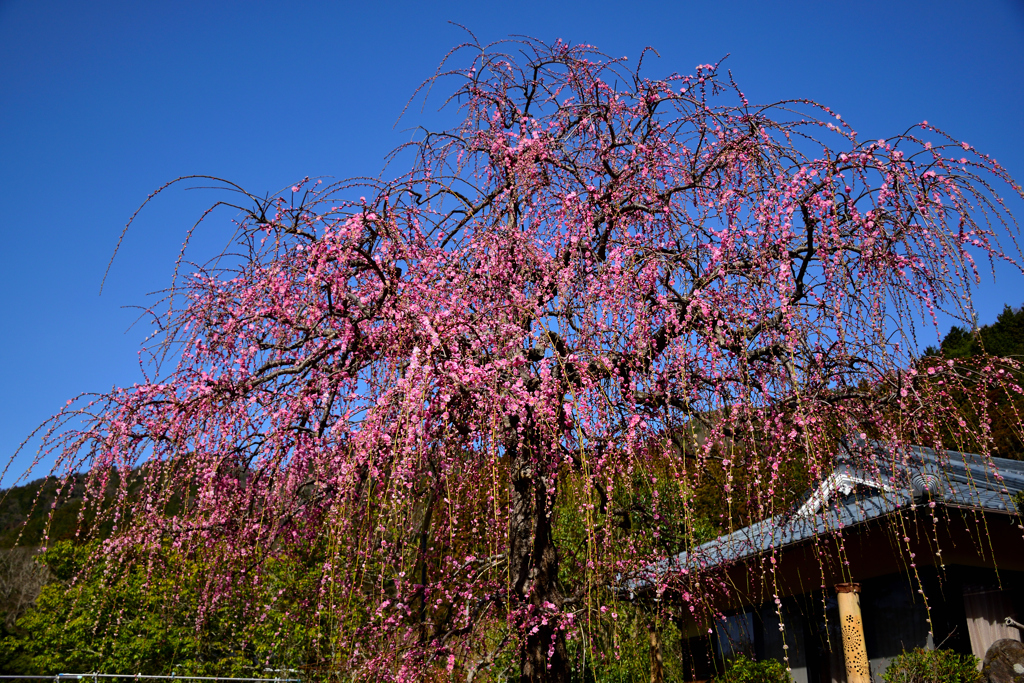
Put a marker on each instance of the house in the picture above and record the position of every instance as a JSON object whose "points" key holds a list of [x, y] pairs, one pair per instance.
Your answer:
{"points": [[892, 551]]}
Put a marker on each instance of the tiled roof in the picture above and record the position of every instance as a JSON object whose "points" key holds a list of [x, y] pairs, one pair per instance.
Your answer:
{"points": [[853, 495]]}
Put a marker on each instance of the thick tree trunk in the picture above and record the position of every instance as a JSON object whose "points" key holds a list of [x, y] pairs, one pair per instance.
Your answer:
{"points": [[534, 562], [657, 664]]}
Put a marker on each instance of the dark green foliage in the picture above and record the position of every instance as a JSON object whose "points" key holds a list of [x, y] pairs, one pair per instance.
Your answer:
{"points": [[743, 670], [25, 511], [620, 650], [96, 618], [980, 350], [1004, 338], [933, 666], [649, 510], [52, 509]]}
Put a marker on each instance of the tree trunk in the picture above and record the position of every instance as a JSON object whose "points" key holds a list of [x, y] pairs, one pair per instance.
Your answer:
{"points": [[657, 664], [534, 561]]}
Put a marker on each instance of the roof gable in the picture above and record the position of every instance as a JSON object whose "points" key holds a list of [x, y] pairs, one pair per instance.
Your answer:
{"points": [[842, 482], [963, 480]]}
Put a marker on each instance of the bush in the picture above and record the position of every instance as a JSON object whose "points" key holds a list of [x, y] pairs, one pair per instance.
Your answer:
{"points": [[743, 670], [92, 617], [933, 666]]}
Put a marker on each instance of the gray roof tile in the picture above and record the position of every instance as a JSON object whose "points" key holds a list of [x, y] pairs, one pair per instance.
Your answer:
{"points": [[966, 480]]}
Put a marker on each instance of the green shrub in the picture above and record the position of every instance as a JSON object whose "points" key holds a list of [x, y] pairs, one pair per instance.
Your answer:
{"points": [[92, 617], [933, 666], [743, 670]]}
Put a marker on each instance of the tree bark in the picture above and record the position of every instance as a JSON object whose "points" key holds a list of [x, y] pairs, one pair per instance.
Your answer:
{"points": [[657, 664], [534, 561]]}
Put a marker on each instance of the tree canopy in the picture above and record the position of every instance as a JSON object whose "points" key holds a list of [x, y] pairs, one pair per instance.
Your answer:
{"points": [[593, 290], [998, 346], [1004, 337]]}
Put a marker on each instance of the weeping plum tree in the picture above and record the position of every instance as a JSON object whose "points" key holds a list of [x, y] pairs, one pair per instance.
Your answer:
{"points": [[591, 271]]}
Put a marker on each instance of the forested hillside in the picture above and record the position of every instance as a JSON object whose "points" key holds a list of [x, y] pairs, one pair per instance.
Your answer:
{"points": [[25, 512], [1003, 338]]}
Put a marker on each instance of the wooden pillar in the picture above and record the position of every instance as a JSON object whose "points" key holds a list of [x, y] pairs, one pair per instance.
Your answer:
{"points": [[855, 652]]}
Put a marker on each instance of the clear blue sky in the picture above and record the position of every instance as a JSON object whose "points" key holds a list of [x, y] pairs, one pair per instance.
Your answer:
{"points": [[102, 102]]}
